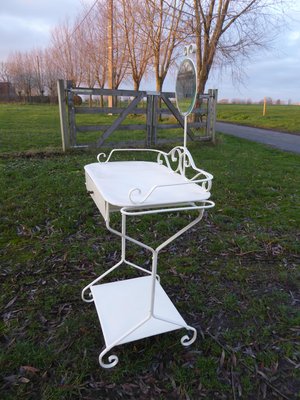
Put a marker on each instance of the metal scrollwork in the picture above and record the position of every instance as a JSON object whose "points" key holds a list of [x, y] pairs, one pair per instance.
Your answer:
{"points": [[87, 297], [137, 192], [179, 156], [101, 155], [113, 360], [177, 160], [185, 340]]}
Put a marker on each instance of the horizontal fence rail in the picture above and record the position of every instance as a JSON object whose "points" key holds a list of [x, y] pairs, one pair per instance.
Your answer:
{"points": [[152, 105]]}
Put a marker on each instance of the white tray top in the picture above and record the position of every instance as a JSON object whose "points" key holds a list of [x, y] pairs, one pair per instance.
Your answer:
{"points": [[115, 180]]}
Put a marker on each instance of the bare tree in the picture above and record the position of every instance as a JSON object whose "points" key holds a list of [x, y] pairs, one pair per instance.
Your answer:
{"points": [[51, 73], [4, 72], [162, 23], [85, 43], [36, 59], [21, 72], [94, 47], [137, 41], [120, 53], [228, 31], [65, 52], [92, 28]]}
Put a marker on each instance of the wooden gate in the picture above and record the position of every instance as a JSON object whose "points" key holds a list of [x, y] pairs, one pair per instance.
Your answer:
{"points": [[153, 111]]}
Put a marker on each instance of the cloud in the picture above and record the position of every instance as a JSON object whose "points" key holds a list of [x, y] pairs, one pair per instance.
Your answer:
{"points": [[26, 24], [21, 34], [294, 36], [274, 73], [49, 11]]}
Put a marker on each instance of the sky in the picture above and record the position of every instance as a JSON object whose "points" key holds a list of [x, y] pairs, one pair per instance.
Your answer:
{"points": [[26, 24]]}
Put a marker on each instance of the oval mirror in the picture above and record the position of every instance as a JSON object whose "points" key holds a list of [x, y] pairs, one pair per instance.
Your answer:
{"points": [[185, 91]]}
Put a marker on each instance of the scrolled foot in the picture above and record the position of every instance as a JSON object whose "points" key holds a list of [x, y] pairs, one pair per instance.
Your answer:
{"points": [[113, 360], [185, 340], [88, 298]]}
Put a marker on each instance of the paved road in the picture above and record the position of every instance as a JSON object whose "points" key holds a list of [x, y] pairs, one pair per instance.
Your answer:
{"points": [[283, 141]]}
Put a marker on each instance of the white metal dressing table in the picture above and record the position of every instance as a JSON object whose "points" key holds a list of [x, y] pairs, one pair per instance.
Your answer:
{"points": [[136, 308]]}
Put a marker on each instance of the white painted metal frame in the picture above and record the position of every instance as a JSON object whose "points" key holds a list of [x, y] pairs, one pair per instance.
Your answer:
{"points": [[150, 322], [137, 308], [178, 155]]}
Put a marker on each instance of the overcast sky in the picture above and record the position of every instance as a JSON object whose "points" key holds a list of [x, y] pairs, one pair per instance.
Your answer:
{"points": [[26, 24]]}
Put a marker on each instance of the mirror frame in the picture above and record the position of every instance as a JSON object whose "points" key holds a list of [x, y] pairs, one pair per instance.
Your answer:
{"points": [[192, 104]]}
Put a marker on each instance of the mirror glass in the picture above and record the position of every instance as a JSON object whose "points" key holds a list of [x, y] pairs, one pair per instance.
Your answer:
{"points": [[186, 87]]}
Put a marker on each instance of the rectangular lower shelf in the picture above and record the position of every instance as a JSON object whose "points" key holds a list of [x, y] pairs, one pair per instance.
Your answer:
{"points": [[121, 305]]}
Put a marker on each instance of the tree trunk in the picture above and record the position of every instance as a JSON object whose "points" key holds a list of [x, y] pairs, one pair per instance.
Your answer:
{"points": [[159, 84]]}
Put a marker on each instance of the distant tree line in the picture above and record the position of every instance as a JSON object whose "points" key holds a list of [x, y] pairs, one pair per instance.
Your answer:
{"points": [[148, 37]]}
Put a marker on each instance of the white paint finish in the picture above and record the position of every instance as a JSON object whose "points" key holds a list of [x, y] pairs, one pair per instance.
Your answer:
{"points": [[121, 305], [115, 180]]}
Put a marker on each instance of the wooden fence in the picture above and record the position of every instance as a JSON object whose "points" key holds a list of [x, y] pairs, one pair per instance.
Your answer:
{"points": [[151, 104]]}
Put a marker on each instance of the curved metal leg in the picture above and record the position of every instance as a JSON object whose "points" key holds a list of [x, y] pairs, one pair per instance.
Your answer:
{"points": [[87, 296], [87, 300], [113, 359], [185, 340]]}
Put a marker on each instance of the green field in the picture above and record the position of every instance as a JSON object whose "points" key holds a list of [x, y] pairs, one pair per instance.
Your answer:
{"points": [[32, 127], [29, 127], [278, 117], [233, 277], [37, 127]]}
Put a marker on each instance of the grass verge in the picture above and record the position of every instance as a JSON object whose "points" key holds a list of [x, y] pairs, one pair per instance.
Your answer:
{"points": [[278, 117]]}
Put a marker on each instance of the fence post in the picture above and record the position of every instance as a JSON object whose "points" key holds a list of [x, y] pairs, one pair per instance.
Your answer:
{"points": [[212, 113], [155, 112], [71, 112], [149, 118], [152, 111], [65, 138]]}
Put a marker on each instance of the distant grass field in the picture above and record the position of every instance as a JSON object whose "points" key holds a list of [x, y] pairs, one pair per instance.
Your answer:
{"points": [[234, 276], [278, 117], [31, 127]]}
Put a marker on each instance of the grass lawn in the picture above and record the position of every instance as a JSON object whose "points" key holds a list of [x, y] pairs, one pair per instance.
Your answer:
{"points": [[37, 127], [278, 117], [233, 277], [29, 127]]}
